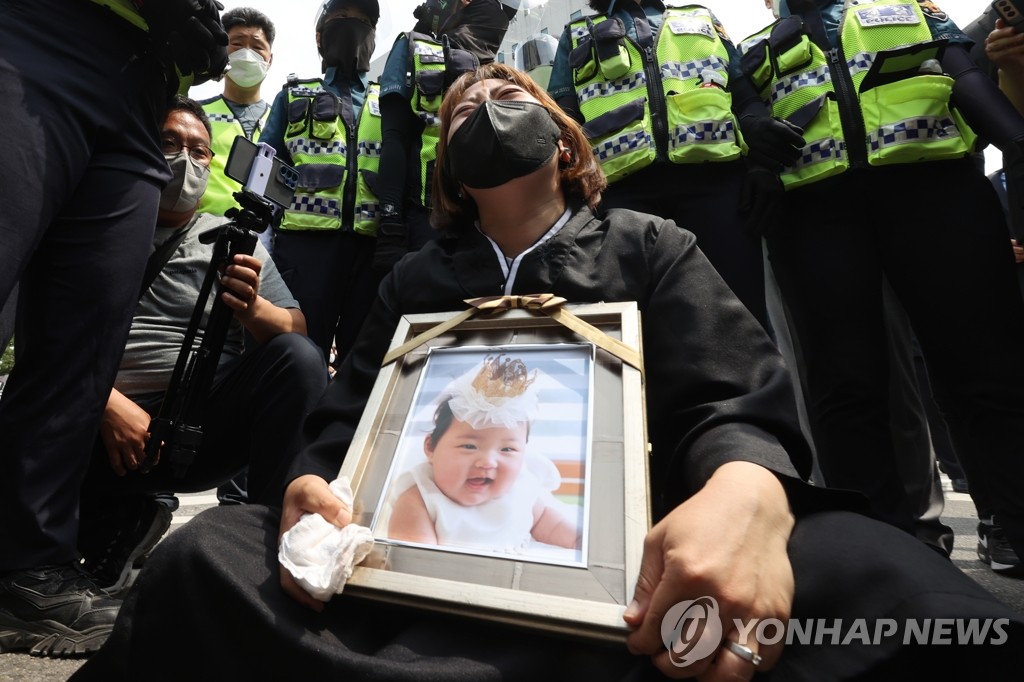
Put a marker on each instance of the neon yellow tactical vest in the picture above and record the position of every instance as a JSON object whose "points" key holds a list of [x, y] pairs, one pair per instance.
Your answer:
{"points": [[336, 166], [427, 73], [630, 99], [901, 114], [220, 189]]}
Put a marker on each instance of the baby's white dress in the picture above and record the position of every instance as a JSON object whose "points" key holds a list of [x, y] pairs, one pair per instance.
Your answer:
{"points": [[502, 524]]}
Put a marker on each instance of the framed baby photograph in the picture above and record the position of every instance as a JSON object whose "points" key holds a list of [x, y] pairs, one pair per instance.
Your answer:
{"points": [[501, 466], [493, 456]]}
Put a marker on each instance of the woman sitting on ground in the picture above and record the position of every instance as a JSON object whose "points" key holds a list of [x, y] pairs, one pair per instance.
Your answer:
{"points": [[518, 190]]}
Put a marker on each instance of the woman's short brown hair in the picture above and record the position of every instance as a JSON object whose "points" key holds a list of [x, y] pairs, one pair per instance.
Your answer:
{"points": [[581, 177]]}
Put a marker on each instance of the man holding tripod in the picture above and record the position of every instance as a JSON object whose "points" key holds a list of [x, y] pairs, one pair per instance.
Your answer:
{"points": [[259, 395]]}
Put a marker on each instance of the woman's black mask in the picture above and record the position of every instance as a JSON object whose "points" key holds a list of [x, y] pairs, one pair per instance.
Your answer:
{"points": [[500, 141]]}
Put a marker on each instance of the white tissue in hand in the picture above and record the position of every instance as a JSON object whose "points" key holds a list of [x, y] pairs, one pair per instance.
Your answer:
{"points": [[321, 556]]}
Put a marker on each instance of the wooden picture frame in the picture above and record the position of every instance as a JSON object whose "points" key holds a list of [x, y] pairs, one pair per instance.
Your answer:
{"points": [[585, 600]]}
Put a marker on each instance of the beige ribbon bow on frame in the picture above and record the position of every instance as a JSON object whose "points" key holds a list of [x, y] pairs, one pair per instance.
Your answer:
{"points": [[548, 304]]}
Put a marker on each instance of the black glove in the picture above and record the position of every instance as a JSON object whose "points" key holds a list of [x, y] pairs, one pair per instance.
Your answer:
{"points": [[772, 141], [761, 201], [428, 16], [392, 244], [192, 33]]}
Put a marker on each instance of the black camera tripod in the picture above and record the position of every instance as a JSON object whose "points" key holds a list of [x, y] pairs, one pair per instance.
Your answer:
{"points": [[176, 432]]}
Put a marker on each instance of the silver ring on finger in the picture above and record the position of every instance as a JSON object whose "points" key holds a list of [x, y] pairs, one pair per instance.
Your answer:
{"points": [[744, 652]]}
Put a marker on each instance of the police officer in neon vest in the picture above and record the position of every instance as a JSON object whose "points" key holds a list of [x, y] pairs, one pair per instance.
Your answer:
{"points": [[656, 86], [240, 109], [450, 37], [329, 129], [83, 88], [891, 107]]}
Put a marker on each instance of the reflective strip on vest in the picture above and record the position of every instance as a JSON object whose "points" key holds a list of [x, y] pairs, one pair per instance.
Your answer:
{"points": [[429, 120], [634, 81], [912, 130], [317, 205], [694, 69], [302, 146], [622, 144], [822, 150], [907, 119], [701, 126], [370, 148], [791, 84], [707, 132]]}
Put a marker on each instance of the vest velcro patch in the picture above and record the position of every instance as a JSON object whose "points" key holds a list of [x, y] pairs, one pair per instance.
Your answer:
{"points": [[887, 16], [686, 26]]}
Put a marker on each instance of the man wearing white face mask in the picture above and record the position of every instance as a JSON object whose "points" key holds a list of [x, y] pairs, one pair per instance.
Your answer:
{"points": [[240, 110], [259, 397]]}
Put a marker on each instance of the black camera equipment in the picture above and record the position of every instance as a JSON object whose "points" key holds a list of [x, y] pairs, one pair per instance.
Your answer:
{"points": [[176, 432], [1010, 11]]}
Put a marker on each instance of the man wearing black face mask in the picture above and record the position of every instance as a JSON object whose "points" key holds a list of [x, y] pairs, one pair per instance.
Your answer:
{"points": [[259, 397], [329, 130], [450, 37]]}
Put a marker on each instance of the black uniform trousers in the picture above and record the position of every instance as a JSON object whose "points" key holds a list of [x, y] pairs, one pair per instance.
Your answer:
{"points": [[210, 593], [704, 199], [253, 418], [329, 273], [936, 231], [80, 178]]}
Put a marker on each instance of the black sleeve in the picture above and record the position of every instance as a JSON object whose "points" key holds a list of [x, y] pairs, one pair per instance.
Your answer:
{"points": [[982, 103], [329, 428], [570, 106], [978, 31], [745, 100], [398, 131]]}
